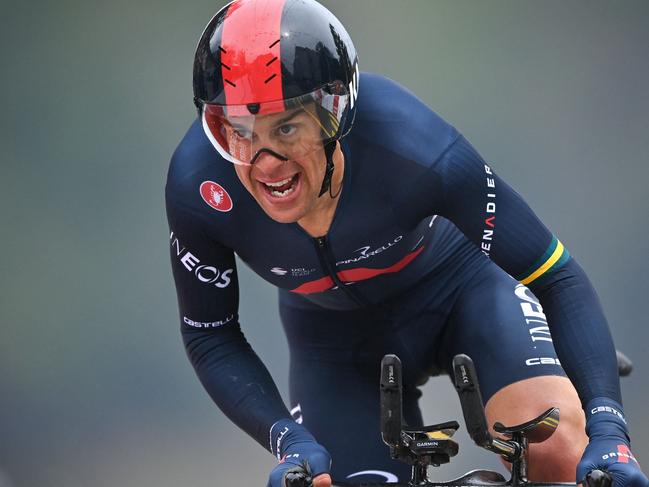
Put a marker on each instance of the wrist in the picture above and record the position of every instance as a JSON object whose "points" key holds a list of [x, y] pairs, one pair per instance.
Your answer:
{"points": [[605, 417], [284, 434]]}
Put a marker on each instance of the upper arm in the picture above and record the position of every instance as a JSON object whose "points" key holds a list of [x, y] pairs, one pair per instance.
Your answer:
{"points": [[204, 271], [494, 216]]}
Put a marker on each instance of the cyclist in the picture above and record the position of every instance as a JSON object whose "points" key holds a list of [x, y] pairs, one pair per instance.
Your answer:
{"points": [[385, 232]]}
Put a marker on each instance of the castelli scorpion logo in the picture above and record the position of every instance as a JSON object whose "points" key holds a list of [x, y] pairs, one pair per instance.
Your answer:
{"points": [[216, 196]]}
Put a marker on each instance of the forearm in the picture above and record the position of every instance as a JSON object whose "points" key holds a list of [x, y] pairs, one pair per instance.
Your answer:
{"points": [[236, 379], [580, 332]]}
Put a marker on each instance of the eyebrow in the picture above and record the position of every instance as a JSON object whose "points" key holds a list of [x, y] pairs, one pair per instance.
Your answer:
{"points": [[281, 121], [289, 117]]}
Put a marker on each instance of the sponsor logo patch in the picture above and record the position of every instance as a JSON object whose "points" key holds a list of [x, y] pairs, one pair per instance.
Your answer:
{"points": [[366, 253], [534, 315], [278, 446], [490, 213], [542, 361], [216, 196], [294, 272], [608, 409], [622, 455], [207, 274], [296, 414], [209, 324]]}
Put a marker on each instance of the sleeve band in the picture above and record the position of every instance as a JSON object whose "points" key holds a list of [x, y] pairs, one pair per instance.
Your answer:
{"points": [[554, 257]]}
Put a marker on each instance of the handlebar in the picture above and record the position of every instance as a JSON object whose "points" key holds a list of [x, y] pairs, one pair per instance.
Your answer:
{"points": [[476, 478]]}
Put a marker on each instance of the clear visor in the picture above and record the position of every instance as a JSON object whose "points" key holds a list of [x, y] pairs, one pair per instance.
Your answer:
{"points": [[290, 128]]}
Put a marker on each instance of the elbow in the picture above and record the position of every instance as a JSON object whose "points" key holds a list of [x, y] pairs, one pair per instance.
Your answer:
{"points": [[570, 276], [209, 345]]}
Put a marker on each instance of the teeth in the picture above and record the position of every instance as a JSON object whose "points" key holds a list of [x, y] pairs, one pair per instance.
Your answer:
{"points": [[281, 194], [279, 183]]}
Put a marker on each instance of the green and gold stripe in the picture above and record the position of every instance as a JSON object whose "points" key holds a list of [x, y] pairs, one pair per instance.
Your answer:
{"points": [[554, 257]]}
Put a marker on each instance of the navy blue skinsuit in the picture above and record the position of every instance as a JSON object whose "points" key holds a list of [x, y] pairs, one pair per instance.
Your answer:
{"points": [[408, 266]]}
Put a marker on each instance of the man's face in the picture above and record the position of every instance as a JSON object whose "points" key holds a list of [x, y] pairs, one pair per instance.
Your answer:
{"points": [[286, 190]]}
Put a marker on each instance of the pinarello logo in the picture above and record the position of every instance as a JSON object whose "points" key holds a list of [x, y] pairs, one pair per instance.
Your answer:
{"points": [[216, 196]]}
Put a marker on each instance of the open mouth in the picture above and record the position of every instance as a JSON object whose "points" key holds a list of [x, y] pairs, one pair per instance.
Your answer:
{"points": [[283, 188]]}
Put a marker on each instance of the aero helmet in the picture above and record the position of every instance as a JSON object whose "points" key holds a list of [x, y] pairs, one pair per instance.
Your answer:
{"points": [[260, 57]]}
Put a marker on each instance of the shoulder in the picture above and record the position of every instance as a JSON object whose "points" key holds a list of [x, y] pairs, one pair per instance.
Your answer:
{"points": [[195, 163], [203, 194], [394, 118], [192, 157]]}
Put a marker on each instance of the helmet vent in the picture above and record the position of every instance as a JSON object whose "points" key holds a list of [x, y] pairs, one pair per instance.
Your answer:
{"points": [[230, 82], [271, 61], [270, 78], [271, 46], [223, 65]]}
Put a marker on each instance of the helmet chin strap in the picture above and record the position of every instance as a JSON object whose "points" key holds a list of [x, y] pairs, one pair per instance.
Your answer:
{"points": [[329, 149]]}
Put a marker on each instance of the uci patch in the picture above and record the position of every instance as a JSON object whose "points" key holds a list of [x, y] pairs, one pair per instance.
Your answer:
{"points": [[216, 196]]}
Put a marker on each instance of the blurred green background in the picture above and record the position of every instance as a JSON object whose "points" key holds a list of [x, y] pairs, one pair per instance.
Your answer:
{"points": [[94, 385]]}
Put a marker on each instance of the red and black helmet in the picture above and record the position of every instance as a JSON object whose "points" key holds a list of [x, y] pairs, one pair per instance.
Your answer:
{"points": [[263, 56]]}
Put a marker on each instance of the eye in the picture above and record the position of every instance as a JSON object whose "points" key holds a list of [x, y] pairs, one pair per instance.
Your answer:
{"points": [[286, 129], [241, 133]]}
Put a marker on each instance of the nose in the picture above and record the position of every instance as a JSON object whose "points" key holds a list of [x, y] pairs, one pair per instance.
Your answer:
{"points": [[267, 158]]}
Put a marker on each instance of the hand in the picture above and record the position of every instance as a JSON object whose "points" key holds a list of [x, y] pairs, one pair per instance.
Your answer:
{"points": [[298, 477], [609, 447], [614, 456], [300, 457]]}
